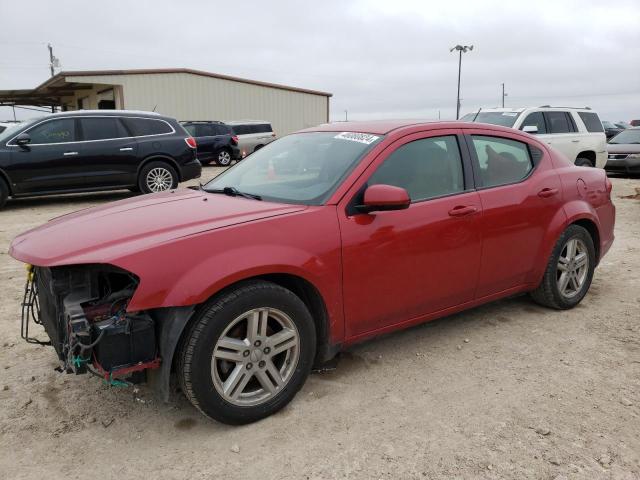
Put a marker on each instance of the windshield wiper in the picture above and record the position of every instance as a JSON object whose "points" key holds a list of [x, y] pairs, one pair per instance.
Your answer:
{"points": [[234, 192]]}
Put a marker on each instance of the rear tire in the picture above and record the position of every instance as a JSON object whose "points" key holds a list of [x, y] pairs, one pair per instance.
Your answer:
{"points": [[4, 192], [237, 375], [569, 271], [583, 162], [157, 177], [224, 157]]}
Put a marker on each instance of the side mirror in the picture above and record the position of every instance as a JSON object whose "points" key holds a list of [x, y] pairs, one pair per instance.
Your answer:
{"points": [[23, 139], [383, 198], [530, 129]]}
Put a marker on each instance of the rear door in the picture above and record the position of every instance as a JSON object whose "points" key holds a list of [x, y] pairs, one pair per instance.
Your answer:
{"points": [[401, 265], [520, 194], [110, 153], [51, 161], [562, 133]]}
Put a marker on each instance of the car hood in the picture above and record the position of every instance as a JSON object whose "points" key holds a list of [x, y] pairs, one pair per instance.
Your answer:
{"points": [[623, 147], [105, 233]]}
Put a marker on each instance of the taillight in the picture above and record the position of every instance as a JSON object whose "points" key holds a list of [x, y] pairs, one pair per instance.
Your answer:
{"points": [[273, 134], [191, 142], [234, 139]]}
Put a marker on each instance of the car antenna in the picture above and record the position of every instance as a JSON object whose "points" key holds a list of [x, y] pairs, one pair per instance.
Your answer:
{"points": [[154, 108], [477, 113]]}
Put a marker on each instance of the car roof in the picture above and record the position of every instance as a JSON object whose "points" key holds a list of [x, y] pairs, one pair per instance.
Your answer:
{"points": [[522, 109], [106, 113], [245, 122], [383, 127]]}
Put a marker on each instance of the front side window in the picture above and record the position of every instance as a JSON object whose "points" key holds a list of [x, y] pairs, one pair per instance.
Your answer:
{"points": [[502, 161], [592, 122], [535, 119], [303, 168], [147, 126], [558, 122], [62, 130], [427, 168], [102, 128]]}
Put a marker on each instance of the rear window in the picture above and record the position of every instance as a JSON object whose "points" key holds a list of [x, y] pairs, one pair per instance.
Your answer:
{"points": [[102, 128], [252, 128], [147, 126], [592, 122]]}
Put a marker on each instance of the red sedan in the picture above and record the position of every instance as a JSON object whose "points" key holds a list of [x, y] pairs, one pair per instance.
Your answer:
{"points": [[321, 239]]}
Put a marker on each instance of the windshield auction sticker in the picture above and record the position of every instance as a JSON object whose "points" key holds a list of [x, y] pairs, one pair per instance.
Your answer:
{"points": [[365, 138]]}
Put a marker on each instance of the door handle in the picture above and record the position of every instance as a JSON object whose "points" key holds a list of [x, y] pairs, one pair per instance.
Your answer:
{"points": [[462, 211], [126, 149], [547, 192], [68, 154]]}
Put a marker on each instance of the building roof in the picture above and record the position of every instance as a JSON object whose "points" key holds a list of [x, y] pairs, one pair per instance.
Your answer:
{"points": [[50, 91], [91, 73]]}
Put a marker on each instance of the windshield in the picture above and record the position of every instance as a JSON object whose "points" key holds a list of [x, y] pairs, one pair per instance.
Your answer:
{"points": [[506, 119], [10, 131], [631, 135], [303, 168]]}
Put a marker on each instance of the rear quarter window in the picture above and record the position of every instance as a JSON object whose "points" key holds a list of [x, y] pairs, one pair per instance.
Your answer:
{"points": [[147, 126], [591, 121]]}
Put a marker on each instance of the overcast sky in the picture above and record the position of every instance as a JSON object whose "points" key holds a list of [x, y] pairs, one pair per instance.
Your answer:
{"points": [[380, 59]]}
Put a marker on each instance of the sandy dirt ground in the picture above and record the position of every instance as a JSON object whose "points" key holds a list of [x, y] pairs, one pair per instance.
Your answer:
{"points": [[509, 390]]}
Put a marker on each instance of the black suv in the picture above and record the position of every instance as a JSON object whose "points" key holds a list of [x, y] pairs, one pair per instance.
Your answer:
{"points": [[216, 141], [86, 150]]}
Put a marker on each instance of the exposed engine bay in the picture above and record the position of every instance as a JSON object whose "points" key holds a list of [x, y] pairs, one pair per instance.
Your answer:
{"points": [[83, 310]]}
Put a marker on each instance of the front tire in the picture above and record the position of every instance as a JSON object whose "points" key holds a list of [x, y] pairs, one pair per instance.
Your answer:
{"points": [[157, 177], [247, 353], [569, 272]]}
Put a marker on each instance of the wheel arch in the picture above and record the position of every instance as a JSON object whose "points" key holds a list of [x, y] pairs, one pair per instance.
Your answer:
{"points": [[160, 158], [5, 177], [183, 317], [589, 155]]}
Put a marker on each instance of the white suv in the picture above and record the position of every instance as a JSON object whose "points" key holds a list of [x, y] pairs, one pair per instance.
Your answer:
{"points": [[252, 134], [576, 132]]}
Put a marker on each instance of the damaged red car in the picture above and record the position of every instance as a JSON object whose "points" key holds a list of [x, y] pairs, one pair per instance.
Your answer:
{"points": [[319, 240]]}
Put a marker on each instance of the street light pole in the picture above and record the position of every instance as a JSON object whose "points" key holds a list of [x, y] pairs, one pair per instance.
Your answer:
{"points": [[461, 49]]}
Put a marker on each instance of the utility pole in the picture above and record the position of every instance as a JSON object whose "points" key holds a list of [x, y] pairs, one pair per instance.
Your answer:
{"points": [[51, 59], [461, 49], [503, 95], [346, 116]]}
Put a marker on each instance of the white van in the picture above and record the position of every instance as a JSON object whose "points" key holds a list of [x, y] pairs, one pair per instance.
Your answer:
{"points": [[576, 132], [252, 134]]}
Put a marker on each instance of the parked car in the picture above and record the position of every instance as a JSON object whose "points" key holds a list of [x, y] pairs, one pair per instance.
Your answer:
{"points": [[252, 134], [624, 152], [382, 226], [623, 125], [635, 123], [611, 129], [85, 151], [216, 142], [576, 132]]}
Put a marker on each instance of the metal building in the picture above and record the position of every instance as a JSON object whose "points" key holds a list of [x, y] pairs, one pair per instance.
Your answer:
{"points": [[181, 93]]}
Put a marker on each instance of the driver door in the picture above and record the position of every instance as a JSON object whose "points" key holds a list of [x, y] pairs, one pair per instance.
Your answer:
{"points": [[400, 266]]}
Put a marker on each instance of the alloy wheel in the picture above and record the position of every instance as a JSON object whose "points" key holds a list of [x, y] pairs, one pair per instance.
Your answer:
{"points": [[572, 268], [224, 158], [159, 179], [255, 357]]}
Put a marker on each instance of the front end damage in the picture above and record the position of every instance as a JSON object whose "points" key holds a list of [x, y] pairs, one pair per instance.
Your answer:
{"points": [[83, 309]]}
